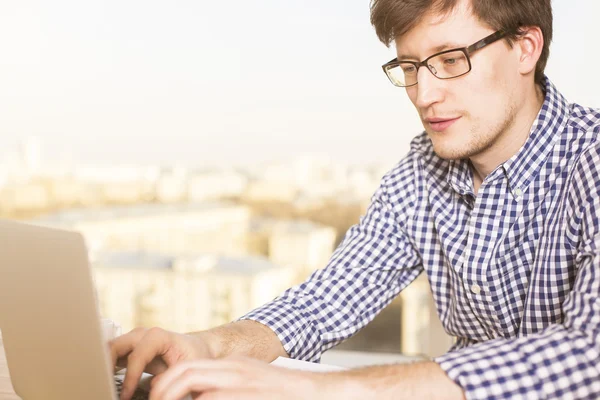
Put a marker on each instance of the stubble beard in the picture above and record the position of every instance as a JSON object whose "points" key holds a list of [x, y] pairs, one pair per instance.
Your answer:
{"points": [[479, 140]]}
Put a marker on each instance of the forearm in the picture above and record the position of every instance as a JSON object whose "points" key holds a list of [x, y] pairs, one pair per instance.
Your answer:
{"points": [[422, 380], [245, 338]]}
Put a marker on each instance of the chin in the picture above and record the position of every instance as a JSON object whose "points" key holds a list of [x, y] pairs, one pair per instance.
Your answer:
{"points": [[450, 149], [451, 154]]}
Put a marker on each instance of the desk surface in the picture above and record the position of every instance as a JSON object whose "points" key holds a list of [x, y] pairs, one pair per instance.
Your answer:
{"points": [[6, 389]]}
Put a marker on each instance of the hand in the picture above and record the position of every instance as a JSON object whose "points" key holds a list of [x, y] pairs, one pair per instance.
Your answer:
{"points": [[239, 378], [153, 351]]}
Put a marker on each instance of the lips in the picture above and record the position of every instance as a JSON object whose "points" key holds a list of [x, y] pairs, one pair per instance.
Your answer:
{"points": [[440, 124]]}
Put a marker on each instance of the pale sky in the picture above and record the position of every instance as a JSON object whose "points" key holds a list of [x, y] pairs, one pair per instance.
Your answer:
{"points": [[228, 82]]}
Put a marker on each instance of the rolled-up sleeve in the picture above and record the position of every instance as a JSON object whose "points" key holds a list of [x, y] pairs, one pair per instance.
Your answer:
{"points": [[374, 262]]}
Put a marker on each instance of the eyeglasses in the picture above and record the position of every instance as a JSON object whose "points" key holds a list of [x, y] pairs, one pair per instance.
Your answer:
{"points": [[446, 64]]}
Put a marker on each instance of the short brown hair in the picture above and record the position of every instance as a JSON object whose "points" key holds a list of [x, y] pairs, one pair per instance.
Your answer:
{"points": [[393, 18]]}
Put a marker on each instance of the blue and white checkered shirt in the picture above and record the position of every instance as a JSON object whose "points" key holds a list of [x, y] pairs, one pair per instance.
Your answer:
{"points": [[514, 271]]}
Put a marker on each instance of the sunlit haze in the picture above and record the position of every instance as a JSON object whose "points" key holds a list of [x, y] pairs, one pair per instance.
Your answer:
{"points": [[228, 83]]}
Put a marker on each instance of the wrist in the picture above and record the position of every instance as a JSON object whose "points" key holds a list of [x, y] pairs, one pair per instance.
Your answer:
{"points": [[345, 384], [210, 343], [243, 338], [415, 380]]}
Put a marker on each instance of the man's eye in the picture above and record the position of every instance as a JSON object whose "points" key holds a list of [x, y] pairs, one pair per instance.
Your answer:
{"points": [[409, 69], [450, 61]]}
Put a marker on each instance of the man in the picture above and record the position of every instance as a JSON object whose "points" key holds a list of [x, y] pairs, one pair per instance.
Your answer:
{"points": [[498, 201]]}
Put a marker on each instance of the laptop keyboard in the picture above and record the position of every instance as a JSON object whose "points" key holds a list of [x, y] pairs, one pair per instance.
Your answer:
{"points": [[139, 394]]}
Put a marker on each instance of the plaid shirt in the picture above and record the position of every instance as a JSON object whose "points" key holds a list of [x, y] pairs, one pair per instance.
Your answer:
{"points": [[514, 271]]}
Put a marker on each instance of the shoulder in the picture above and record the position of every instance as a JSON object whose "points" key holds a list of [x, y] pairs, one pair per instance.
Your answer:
{"points": [[583, 191], [403, 174], [585, 119], [584, 123], [401, 185]]}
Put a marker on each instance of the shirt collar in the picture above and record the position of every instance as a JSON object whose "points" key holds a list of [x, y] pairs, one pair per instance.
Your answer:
{"points": [[460, 177], [521, 168]]}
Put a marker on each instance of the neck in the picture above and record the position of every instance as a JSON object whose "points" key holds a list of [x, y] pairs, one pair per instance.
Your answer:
{"points": [[511, 140]]}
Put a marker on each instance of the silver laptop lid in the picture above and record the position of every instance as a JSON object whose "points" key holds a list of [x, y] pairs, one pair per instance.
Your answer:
{"points": [[48, 315]]}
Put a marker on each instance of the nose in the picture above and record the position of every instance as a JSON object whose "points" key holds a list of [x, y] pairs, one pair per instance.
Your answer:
{"points": [[429, 89]]}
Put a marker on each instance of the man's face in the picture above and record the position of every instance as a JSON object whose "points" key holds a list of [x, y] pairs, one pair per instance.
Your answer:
{"points": [[464, 116]]}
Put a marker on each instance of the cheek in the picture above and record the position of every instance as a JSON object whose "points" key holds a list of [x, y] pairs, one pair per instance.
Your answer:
{"points": [[483, 94], [494, 77]]}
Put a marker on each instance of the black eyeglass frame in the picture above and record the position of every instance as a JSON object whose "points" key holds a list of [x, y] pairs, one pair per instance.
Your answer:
{"points": [[466, 50]]}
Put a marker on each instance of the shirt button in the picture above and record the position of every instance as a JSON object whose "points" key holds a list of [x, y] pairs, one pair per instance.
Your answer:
{"points": [[475, 289], [518, 192]]}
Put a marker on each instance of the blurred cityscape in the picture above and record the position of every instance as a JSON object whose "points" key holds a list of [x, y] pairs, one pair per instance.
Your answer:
{"points": [[188, 249]]}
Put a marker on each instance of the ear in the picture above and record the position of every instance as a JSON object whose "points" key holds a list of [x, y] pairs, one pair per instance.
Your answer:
{"points": [[529, 44]]}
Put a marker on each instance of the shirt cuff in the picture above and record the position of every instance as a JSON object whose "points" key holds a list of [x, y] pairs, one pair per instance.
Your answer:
{"points": [[299, 337]]}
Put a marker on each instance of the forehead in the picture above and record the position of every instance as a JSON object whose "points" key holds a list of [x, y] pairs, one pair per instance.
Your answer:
{"points": [[436, 32]]}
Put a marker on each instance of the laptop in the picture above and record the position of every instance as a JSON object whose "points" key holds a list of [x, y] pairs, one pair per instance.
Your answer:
{"points": [[49, 317], [50, 323]]}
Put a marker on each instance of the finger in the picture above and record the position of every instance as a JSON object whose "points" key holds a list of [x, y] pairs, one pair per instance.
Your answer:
{"points": [[154, 343], [154, 380], [121, 346], [203, 366], [195, 383], [230, 394], [179, 381]]}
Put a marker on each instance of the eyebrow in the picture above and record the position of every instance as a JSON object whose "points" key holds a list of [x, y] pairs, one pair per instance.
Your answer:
{"points": [[437, 49]]}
